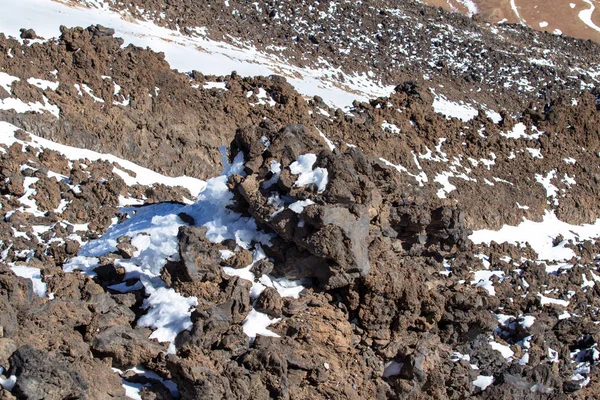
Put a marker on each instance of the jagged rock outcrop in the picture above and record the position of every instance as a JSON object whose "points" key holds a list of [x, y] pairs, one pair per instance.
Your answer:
{"points": [[332, 220]]}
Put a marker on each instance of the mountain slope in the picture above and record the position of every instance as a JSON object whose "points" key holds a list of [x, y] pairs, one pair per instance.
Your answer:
{"points": [[266, 237]]}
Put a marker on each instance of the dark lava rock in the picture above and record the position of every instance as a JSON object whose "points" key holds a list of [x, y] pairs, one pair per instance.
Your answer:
{"points": [[41, 375], [199, 256], [126, 346]]}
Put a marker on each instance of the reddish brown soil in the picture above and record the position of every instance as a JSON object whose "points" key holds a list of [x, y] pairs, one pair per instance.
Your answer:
{"points": [[558, 14]]}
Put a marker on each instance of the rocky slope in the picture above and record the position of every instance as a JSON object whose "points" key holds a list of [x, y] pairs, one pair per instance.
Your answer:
{"points": [[505, 66], [311, 252]]}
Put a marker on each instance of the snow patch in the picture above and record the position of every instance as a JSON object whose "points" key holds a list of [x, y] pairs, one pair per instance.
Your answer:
{"points": [[299, 205], [586, 16], [7, 383], [6, 81], [303, 167], [256, 323], [39, 287], [447, 187], [470, 6], [43, 84], [540, 236], [483, 381], [386, 126], [451, 109], [548, 300], [144, 176], [198, 52], [215, 85], [503, 349]]}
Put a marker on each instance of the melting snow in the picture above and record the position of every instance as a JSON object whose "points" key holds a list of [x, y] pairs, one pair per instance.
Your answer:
{"points": [[516, 11], [6, 81], [494, 116], [503, 349], [11, 103], [215, 85], [540, 236], [168, 311], [153, 231], [586, 16], [256, 323], [8, 383], [303, 167], [43, 84], [187, 53], [144, 176], [483, 381], [329, 142], [548, 300], [546, 181], [299, 205], [39, 287], [447, 187], [527, 321], [421, 177], [470, 6], [483, 279], [264, 98], [518, 131], [90, 92], [275, 169], [386, 126]]}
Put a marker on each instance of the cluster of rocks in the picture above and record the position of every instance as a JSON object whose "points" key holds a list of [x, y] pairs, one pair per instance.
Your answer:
{"points": [[378, 297], [155, 117], [178, 128], [54, 344], [329, 237]]}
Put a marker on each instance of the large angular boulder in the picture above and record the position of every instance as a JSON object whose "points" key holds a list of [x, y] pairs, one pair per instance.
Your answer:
{"points": [[43, 376]]}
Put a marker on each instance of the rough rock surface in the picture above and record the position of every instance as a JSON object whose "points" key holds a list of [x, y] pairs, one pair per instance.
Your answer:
{"points": [[331, 232], [393, 304]]}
